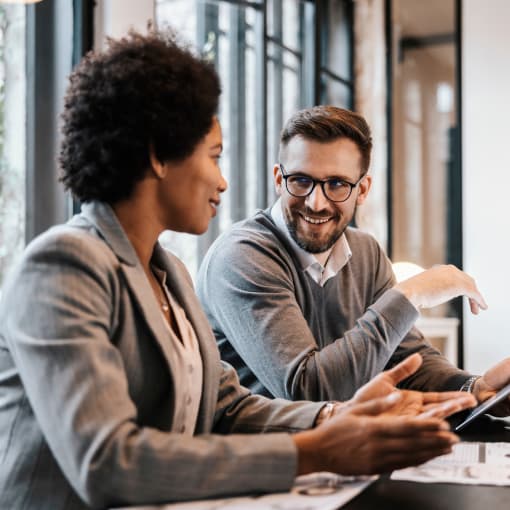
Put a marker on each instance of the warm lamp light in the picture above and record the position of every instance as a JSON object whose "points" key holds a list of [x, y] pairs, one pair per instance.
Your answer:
{"points": [[405, 270]]}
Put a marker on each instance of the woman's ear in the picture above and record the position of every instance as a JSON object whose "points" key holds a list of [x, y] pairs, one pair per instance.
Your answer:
{"points": [[159, 168]]}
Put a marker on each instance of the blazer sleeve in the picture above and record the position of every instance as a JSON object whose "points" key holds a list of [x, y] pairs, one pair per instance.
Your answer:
{"points": [[57, 313], [239, 411]]}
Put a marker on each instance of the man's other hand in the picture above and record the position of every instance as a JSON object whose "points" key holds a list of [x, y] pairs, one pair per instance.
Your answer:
{"points": [[488, 385], [440, 284]]}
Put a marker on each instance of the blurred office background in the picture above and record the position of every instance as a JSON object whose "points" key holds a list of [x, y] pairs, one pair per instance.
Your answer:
{"points": [[432, 79]]}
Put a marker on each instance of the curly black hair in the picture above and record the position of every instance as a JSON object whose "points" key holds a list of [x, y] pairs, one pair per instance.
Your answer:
{"points": [[143, 91]]}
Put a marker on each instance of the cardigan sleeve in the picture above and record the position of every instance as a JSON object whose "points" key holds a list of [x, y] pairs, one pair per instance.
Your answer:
{"points": [[250, 291]]}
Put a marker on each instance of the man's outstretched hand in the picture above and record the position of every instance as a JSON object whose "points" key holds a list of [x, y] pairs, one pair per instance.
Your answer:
{"points": [[412, 403]]}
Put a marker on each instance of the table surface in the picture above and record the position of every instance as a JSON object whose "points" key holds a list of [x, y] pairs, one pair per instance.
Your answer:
{"points": [[386, 494]]}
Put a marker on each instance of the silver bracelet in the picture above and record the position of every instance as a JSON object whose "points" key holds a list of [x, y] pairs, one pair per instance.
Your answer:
{"points": [[469, 383], [329, 409], [325, 413]]}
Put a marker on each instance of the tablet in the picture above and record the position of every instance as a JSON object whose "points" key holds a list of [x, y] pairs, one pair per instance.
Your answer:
{"points": [[485, 406]]}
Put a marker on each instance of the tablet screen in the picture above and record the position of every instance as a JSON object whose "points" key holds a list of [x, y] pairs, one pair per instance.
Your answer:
{"points": [[485, 406]]}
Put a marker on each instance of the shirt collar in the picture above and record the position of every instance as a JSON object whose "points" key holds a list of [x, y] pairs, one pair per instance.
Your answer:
{"points": [[336, 257]]}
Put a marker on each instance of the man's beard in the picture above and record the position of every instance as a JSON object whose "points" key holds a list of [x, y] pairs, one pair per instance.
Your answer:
{"points": [[306, 242]]}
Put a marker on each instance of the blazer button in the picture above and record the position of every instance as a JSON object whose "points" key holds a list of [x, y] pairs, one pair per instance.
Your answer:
{"points": [[182, 429], [188, 400]]}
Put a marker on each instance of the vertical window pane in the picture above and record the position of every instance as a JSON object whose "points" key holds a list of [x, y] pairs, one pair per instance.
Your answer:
{"points": [[336, 44], [336, 93], [12, 134], [336, 54], [227, 34], [285, 67], [264, 52], [424, 132]]}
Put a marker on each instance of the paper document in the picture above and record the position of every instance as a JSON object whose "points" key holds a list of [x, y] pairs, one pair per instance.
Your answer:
{"points": [[316, 491], [469, 463]]}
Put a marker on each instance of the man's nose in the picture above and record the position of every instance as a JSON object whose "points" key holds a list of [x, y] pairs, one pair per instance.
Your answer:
{"points": [[316, 200]]}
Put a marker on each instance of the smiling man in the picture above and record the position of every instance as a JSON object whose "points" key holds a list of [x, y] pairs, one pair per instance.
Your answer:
{"points": [[307, 307]]}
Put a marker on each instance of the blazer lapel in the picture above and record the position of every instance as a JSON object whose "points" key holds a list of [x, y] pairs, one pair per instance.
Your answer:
{"points": [[102, 217], [149, 308]]}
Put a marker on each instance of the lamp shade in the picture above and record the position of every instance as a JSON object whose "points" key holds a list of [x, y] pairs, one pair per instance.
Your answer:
{"points": [[405, 270]]}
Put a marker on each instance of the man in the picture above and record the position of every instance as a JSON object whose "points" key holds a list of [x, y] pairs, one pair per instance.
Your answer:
{"points": [[306, 307]]}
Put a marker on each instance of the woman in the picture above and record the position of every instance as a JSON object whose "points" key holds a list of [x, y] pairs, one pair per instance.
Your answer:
{"points": [[111, 387]]}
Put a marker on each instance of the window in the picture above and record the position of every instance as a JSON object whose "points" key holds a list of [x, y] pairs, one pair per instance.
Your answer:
{"points": [[426, 190], [425, 162], [36, 54], [12, 134], [274, 57]]}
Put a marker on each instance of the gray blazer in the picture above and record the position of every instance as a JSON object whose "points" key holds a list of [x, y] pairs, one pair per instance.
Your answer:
{"points": [[87, 386]]}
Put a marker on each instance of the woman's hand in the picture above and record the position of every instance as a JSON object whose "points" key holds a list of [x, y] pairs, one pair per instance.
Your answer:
{"points": [[368, 438]]}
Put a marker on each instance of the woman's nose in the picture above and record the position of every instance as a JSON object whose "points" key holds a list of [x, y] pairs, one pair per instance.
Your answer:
{"points": [[223, 184]]}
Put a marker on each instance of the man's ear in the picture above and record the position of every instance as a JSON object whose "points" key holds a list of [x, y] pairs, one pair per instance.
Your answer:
{"points": [[159, 168], [363, 189], [278, 179]]}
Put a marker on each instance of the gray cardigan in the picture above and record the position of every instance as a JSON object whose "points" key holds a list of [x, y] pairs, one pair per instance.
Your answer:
{"points": [[289, 337], [87, 385]]}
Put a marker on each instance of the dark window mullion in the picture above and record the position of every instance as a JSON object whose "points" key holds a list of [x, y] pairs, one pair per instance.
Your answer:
{"points": [[261, 116], [237, 113], [349, 12], [323, 36], [307, 44], [277, 65], [319, 36], [83, 42], [49, 27]]}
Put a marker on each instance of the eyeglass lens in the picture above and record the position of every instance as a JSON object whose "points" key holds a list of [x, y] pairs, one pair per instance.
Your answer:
{"points": [[334, 189]]}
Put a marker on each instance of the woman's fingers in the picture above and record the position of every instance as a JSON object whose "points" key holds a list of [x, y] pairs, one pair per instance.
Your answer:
{"points": [[434, 397], [404, 369], [400, 460], [449, 407], [376, 406]]}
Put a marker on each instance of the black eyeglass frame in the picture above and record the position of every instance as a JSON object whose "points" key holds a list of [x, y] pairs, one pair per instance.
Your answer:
{"points": [[322, 182]]}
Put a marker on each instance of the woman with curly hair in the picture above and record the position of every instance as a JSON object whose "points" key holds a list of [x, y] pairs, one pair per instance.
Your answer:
{"points": [[111, 387]]}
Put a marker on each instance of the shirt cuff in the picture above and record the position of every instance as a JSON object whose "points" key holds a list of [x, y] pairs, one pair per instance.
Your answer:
{"points": [[397, 310]]}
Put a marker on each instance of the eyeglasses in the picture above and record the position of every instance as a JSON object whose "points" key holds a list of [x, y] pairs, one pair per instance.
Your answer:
{"points": [[334, 189]]}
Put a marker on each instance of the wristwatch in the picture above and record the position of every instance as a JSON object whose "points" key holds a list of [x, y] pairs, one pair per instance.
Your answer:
{"points": [[469, 383]]}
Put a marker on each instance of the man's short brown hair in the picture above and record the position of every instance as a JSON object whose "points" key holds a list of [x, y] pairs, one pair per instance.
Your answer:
{"points": [[326, 124]]}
